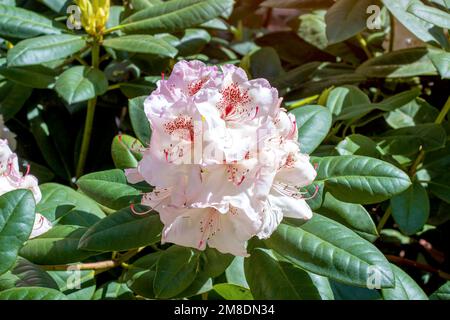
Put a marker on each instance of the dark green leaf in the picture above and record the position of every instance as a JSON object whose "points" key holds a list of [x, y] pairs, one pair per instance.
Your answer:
{"points": [[17, 213], [313, 123], [327, 248], [59, 245], [32, 293], [278, 280], [108, 188], [405, 287], [43, 49], [358, 179], [174, 15], [411, 209], [143, 44], [122, 230], [81, 83], [21, 23], [175, 271]]}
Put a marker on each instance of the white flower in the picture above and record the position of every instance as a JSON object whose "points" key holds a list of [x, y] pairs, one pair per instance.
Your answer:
{"points": [[223, 158], [12, 179]]}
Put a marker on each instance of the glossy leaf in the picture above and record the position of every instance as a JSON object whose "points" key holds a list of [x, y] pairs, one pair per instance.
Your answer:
{"points": [[32, 293], [353, 216], [443, 293], [17, 212], [81, 83], [345, 19], [21, 23], [423, 30], [313, 123], [59, 245], [43, 49], [175, 271], [125, 151], [174, 15], [327, 248], [122, 230], [291, 283], [139, 121], [108, 188], [142, 44], [232, 292], [75, 284], [405, 288], [411, 209], [358, 179]]}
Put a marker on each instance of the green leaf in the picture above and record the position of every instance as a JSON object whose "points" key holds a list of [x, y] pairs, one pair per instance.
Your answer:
{"points": [[357, 111], [443, 293], [265, 63], [109, 188], [56, 197], [235, 273], [125, 151], [141, 274], [405, 287], [57, 6], [113, 290], [81, 83], [139, 121], [201, 284], [122, 230], [75, 284], [353, 216], [409, 140], [425, 31], [358, 179], [21, 23], [26, 274], [429, 14], [344, 97], [291, 283], [32, 293], [440, 186], [193, 41], [441, 61], [12, 98], [59, 245], [44, 49], [313, 123], [403, 63], [175, 271], [417, 111], [345, 19], [142, 44], [213, 263], [232, 292], [411, 209], [357, 144], [138, 87], [327, 248], [345, 292], [39, 77], [17, 213], [296, 77], [174, 15]]}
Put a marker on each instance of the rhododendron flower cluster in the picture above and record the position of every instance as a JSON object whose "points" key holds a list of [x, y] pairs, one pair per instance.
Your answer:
{"points": [[11, 179], [223, 159]]}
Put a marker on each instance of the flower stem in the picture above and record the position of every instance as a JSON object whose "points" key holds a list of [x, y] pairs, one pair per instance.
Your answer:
{"points": [[89, 117]]}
